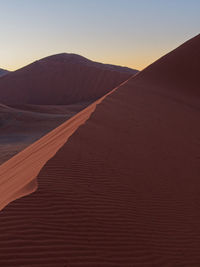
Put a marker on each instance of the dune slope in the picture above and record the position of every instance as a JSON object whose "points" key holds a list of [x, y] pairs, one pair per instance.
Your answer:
{"points": [[35, 95], [18, 174], [60, 80], [21, 125], [124, 189]]}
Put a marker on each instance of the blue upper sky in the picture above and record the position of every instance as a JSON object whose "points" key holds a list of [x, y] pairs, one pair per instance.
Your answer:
{"points": [[126, 32]]}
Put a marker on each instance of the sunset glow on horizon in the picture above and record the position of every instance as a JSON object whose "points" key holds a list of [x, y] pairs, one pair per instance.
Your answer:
{"points": [[108, 31]]}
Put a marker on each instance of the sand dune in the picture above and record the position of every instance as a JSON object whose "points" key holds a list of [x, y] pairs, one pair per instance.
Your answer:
{"points": [[52, 109], [18, 175], [124, 189], [61, 79], [21, 125]]}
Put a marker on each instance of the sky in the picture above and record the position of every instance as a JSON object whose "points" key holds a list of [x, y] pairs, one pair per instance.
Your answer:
{"points": [[131, 33]]}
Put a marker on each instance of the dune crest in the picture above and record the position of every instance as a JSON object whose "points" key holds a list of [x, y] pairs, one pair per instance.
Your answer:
{"points": [[18, 175], [22, 125]]}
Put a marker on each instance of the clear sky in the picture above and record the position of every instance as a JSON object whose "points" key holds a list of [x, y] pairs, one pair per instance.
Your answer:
{"points": [[133, 33]]}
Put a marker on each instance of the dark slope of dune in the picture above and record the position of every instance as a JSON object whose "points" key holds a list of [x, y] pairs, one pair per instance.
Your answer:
{"points": [[21, 125], [18, 175], [3, 72], [179, 72], [77, 59], [52, 109], [61, 79], [124, 189]]}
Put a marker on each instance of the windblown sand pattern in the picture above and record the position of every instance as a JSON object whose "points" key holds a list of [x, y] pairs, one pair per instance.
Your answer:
{"points": [[124, 189]]}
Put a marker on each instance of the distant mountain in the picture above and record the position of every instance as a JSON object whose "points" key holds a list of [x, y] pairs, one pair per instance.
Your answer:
{"points": [[61, 79], [3, 72]]}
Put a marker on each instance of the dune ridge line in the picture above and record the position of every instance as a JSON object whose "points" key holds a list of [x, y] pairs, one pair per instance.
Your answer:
{"points": [[18, 175]]}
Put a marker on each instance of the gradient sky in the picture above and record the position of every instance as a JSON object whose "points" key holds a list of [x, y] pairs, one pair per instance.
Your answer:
{"points": [[133, 33]]}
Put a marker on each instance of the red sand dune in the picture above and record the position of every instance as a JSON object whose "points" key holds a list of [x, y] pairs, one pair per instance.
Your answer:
{"points": [[124, 189], [18, 175], [52, 109], [21, 125], [67, 79], [61, 79]]}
